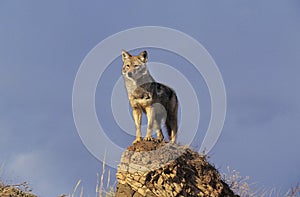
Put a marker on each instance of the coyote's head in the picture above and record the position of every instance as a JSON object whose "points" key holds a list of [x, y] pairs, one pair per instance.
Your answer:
{"points": [[134, 67]]}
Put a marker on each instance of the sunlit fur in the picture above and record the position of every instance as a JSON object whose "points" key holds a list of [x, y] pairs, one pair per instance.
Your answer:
{"points": [[156, 100]]}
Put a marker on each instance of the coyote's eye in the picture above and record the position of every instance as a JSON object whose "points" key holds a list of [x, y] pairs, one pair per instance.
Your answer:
{"points": [[136, 66], [127, 66]]}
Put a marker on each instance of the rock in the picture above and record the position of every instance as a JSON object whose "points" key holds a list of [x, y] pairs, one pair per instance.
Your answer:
{"points": [[152, 168]]}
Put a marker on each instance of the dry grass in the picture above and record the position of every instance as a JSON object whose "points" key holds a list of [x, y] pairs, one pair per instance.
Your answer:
{"points": [[101, 189], [20, 190], [241, 186]]}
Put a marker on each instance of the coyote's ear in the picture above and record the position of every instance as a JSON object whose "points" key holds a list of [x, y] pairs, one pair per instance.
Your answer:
{"points": [[143, 56], [125, 55]]}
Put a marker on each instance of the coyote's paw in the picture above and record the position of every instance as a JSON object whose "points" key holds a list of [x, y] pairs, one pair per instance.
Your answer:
{"points": [[138, 139], [160, 139], [148, 138], [173, 141]]}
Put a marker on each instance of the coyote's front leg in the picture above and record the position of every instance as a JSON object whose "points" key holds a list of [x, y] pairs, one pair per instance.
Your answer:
{"points": [[137, 116], [150, 117]]}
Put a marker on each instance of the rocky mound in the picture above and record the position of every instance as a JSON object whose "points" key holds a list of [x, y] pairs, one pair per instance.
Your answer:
{"points": [[14, 190], [152, 168]]}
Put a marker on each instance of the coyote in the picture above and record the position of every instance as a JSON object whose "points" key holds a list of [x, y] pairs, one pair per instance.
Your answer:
{"points": [[156, 100]]}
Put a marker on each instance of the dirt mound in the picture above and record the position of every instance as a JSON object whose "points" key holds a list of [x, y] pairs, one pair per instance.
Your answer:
{"points": [[152, 168], [146, 145]]}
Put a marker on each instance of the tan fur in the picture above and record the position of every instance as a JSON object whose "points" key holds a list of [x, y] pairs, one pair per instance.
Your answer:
{"points": [[157, 101]]}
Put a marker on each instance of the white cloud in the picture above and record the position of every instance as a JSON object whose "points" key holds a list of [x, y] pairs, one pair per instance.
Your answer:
{"points": [[36, 168]]}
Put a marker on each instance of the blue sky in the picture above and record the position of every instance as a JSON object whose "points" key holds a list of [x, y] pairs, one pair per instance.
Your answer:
{"points": [[42, 44]]}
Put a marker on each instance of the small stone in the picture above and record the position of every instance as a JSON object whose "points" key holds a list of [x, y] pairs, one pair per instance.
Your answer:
{"points": [[177, 187], [160, 181], [142, 191]]}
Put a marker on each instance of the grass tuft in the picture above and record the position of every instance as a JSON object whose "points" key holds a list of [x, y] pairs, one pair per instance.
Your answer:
{"points": [[241, 186]]}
